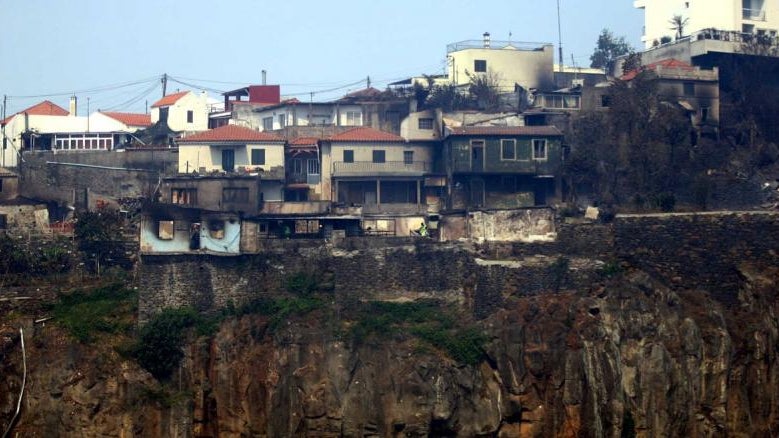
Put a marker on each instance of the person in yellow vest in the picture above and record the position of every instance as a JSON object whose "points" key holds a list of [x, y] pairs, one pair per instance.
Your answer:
{"points": [[423, 230]]}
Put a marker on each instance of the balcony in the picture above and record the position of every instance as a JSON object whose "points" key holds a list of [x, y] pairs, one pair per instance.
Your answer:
{"points": [[287, 208], [304, 178], [387, 168], [753, 14]]}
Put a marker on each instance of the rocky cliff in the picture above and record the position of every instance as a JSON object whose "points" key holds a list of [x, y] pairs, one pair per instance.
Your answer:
{"points": [[629, 352]]}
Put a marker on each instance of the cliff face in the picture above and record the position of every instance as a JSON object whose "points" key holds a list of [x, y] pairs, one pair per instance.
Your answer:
{"points": [[679, 338]]}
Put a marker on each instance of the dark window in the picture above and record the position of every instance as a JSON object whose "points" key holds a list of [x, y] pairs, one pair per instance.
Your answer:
{"points": [[267, 123], [258, 157], [508, 149], [313, 166], [190, 116], [1, 184], [183, 196], [379, 157], [480, 65], [426, 123], [228, 160], [3, 221], [408, 157], [605, 101], [164, 114], [282, 120], [689, 89], [235, 194], [704, 114], [539, 149], [348, 156]]}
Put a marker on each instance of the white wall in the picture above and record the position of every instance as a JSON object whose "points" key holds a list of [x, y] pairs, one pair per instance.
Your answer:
{"points": [[528, 68], [409, 127], [177, 113], [194, 156], [304, 115]]}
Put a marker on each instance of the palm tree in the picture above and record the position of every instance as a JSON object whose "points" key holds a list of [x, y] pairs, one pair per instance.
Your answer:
{"points": [[677, 24]]}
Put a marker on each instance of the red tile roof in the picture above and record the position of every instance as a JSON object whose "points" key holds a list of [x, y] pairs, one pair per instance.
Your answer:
{"points": [[506, 130], [366, 134], [229, 133], [130, 119], [45, 108], [304, 141], [170, 99], [665, 63]]}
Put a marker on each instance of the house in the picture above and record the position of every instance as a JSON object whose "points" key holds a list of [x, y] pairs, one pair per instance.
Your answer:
{"points": [[239, 111], [759, 17], [173, 229], [694, 89], [378, 176], [34, 118], [230, 168], [512, 63], [183, 111], [290, 113], [18, 214], [497, 167]]}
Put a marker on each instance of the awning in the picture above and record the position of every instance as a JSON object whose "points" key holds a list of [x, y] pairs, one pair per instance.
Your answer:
{"points": [[686, 105]]}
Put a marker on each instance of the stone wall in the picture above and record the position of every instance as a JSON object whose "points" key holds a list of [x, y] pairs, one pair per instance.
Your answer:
{"points": [[64, 176], [691, 251], [700, 250]]}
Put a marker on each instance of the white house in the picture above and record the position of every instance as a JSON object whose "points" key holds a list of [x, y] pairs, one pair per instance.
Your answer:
{"points": [[296, 113], [183, 111], [747, 16]]}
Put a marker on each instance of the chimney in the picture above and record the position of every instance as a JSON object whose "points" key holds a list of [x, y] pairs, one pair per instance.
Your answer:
{"points": [[486, 40], [264, 77], [73, 105]]}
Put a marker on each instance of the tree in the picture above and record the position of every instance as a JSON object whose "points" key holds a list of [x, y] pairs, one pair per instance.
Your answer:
{"points": [[484, 89], [678, 23], [608, 49]]}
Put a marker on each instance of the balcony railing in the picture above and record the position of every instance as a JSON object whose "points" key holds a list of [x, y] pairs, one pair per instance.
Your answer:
{"points": [[303, 178], [494, 45], [753, 14], [369, 168]]}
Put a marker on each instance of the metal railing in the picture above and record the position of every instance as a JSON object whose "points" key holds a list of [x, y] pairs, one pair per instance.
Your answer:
{"points": [[494, 45], [303, 178], [369, 168]]}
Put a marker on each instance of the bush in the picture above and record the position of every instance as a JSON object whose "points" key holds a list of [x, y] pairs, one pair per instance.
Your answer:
{"points": [[85, 313], [158, 349]]}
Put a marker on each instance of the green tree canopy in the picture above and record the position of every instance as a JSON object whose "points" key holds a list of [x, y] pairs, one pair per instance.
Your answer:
{"points": [[608, 49]]}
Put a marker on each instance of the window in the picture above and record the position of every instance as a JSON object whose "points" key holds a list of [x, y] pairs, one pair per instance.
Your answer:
{"points": [[1, 184], [479, 65], [689, 89], [3, 221], [267, 123], [704, 114], [353, 118], [282, 120], [408, 157], [164, 114], [235, 194], [379, 156], [190, 116], [313, 166], [426, 123], [297, 166], [183, 196], [258, 157], [605, 101], [348, 156], [165, 230], [539, 149], [508, 149]]}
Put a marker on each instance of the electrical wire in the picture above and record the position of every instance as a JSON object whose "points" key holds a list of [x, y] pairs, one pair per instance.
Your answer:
{"points": [[88, 90]]}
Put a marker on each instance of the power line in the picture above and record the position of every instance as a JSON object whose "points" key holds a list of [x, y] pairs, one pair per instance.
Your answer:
{"points": [[88, 90]]}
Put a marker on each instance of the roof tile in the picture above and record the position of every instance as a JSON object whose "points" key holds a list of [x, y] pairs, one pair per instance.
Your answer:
{"points": [[170, 99], [366, 134], [130, 119], [547, 130], [229, 133], [45, 108]]}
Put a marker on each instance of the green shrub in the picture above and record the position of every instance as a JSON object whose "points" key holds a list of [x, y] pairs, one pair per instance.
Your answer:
{"points": [[109, 309], [158, 349], [301, 283]]}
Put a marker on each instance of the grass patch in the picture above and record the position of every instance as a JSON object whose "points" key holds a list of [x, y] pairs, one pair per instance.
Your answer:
{"points": [[426, 320], [87, 313], [279, 309]]}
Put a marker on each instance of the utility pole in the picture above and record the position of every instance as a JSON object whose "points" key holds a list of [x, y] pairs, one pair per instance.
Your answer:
{"points": [[5, 145], [164, 83], [559, 37], [368, 81]]}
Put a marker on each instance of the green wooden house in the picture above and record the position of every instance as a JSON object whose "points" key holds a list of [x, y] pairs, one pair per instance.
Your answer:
{"points": [[499, 167]]}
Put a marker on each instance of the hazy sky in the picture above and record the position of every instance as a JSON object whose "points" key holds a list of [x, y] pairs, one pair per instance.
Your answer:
{"points": [[91, 47]]}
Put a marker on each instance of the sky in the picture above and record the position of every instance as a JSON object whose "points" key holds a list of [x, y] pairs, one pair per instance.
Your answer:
{"points": [[112, 53]]}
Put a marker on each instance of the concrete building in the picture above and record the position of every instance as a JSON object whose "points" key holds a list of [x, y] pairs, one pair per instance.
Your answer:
{"points": [[511, 63], [183, 111], [743, 16]]}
